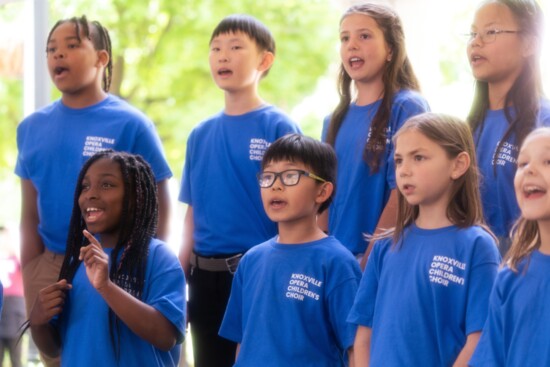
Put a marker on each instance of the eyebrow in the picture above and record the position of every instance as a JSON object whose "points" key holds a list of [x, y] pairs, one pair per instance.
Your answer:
{"points": [[70, 38]]}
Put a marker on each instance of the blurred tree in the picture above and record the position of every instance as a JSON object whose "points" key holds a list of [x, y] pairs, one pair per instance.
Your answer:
{"points": [[160, 51]]}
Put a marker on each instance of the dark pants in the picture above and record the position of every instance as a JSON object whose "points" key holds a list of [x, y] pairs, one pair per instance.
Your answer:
{"points": [[208, 295]]}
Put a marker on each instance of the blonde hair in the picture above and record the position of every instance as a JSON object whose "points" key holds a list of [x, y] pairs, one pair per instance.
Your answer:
{"points": [[454, 136], [525, 233]]}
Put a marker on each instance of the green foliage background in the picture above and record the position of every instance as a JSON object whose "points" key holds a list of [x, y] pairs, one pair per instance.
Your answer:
{"points": [[160, 53]]}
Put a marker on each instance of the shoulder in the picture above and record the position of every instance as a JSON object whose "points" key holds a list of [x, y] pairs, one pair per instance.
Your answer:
{"points": [[406, 98], [118, 107], [40, 115], [274, 116], [481, 243], [161, 255]]}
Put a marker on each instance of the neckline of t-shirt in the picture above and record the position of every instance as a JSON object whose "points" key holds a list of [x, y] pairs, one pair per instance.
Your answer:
{"points": [[295, 246], [430, 232], [261, 107], [78, 111]]}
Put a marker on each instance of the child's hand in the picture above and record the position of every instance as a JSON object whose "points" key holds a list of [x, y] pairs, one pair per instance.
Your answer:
{"points": [[48, 303], [96, 262]]}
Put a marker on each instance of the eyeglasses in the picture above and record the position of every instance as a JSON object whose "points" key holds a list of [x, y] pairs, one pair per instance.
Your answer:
{"points": [[290, 177], [489, 35]]}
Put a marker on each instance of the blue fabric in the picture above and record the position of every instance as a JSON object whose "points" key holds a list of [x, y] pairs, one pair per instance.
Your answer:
{"points": [[516, 333], [497, 176], [1, 297], [361, 196], [423, 299], [288, 304], [223, 156], [84, 322], [54, 143]]}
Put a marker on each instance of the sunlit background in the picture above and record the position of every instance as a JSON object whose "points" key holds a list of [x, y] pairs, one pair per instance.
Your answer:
{"points": [[160, 50]]}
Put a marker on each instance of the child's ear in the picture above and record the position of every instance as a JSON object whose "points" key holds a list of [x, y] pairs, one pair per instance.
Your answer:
{"points": [[102, 58], [460, 165], [324, 193], [267, 60], [531, 45]]}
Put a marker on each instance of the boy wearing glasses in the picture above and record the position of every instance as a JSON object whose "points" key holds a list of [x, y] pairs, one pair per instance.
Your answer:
{"points": [[224, 215], [291, 295]]}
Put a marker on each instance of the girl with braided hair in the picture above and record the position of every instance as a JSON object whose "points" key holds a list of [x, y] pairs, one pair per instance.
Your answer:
{"points": [[120, 295], [85, 120]]}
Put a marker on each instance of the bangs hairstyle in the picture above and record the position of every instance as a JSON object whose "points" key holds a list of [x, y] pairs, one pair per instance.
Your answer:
{"points": [[250, 26], [525, 233], [98, 35], [317, 156], [523, 98], [138, 225], [454, 137], [398, 74]]}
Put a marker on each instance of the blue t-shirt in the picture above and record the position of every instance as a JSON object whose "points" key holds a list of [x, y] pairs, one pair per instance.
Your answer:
{"points": [[224, 154], [288, 304], [516, 332], [54, 143], [360, 195], [84, 323], [497, 171], [421, 300]]}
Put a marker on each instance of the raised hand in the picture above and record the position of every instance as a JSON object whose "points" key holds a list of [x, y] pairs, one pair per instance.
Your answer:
{"points": [[96, 262], [48, 303]]}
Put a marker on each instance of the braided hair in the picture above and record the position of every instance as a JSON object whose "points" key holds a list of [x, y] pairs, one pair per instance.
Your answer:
{"points": [[138, 224], [98, 35]]}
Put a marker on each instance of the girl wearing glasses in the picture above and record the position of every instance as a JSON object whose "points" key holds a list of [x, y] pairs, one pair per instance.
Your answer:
{"points": [[504, 50], [378, 92]]}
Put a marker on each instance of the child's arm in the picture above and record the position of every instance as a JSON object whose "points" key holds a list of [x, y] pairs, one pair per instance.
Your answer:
{"points": [[188, 243], [351, 357], [48, 304], [144, 320], [361, 346], [466, 352], [387, 220], [164, 210], [31, 242]]}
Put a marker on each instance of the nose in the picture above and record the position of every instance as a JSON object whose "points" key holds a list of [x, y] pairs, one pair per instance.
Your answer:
{"points": [[403, 170], [278, 183], [222, 56], [59, 53], [352, 44]]}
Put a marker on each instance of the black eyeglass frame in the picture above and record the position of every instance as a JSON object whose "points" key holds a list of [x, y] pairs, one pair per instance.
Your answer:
{"points": [[280, 176]]}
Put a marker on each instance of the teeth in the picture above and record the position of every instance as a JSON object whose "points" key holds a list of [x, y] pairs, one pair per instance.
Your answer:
{"points": [[88, 210], [354, 59]]}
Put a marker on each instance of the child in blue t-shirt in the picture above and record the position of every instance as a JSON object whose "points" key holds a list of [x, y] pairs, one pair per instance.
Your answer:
{"points": [[291, 294], [120, 298], [504, 52], [423, 298], [224, 215], [54, 142], [378, 93], [516, 332]]}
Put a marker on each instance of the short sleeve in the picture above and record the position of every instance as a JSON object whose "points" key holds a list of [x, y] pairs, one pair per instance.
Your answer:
{"points": [[362, 311], [490, 349], [149, 146], [482, 276], [166, 289], [185, 190]]}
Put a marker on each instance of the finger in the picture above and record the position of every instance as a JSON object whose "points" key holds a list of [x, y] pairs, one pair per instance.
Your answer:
{"points": [[91, 238]]}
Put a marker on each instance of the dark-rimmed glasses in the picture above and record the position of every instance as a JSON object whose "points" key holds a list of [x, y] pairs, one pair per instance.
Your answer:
{"points": [[289, 177], [488, 35]]}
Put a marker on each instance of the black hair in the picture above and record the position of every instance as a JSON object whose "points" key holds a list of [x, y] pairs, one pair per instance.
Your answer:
{"points": [[98, 35], [252, 27], [317, 156], [522, 102], [138, 224]]}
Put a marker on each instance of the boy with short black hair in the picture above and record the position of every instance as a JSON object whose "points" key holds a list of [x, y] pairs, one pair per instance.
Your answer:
{"points": [[224, 215], [291, 294]]}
